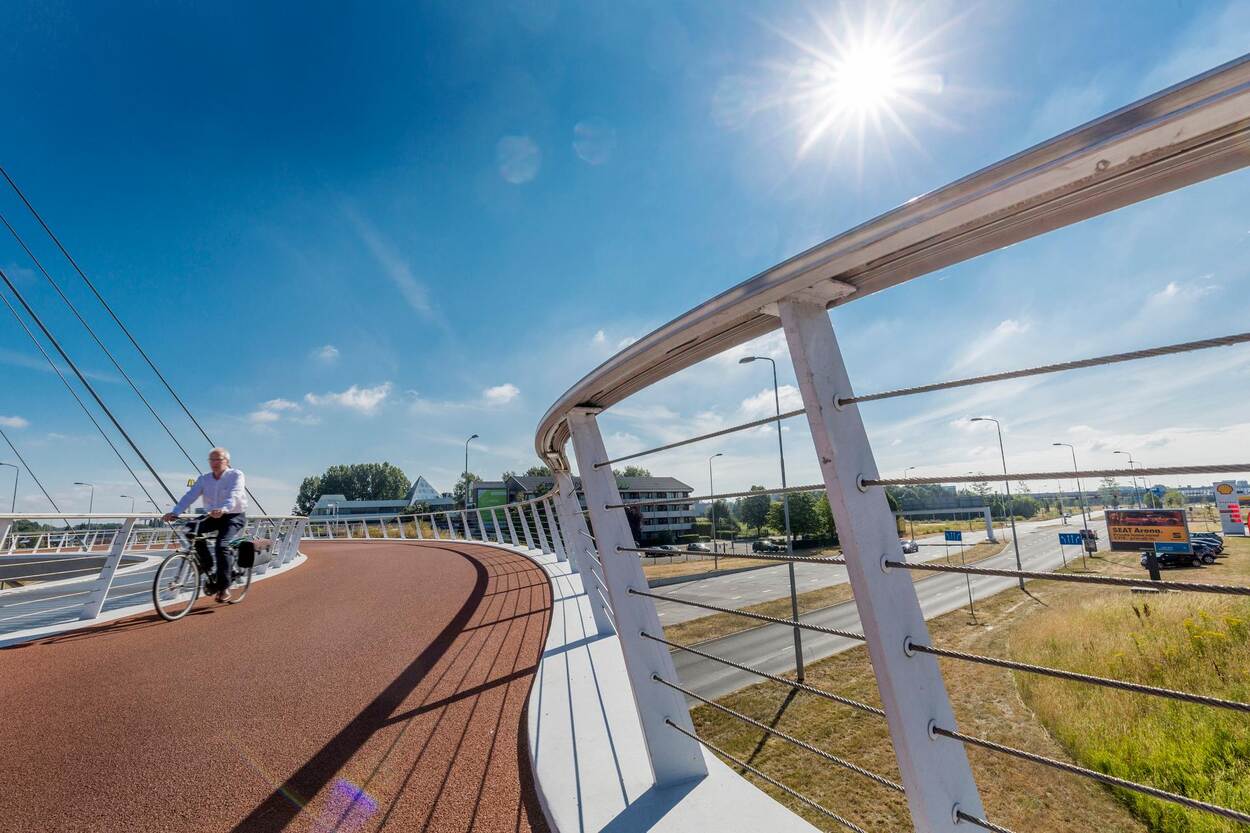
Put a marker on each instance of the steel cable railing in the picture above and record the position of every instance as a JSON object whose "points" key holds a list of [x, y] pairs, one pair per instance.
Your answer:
{"points": [[759, 617], [795, 794], [1075, 578]]}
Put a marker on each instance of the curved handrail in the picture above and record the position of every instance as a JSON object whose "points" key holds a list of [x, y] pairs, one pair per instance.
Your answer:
{"points": [[1191, 131]]}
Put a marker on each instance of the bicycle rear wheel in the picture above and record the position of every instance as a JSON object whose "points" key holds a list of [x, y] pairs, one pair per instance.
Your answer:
{"points": [[239, 587], [176, 587]]}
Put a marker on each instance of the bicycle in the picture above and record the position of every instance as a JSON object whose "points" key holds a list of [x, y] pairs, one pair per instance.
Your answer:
{"points": [[181, 578]]}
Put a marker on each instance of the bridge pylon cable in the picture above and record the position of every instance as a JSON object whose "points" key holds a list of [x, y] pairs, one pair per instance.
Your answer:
{"points": [[116, 364], [90, 389], [18, 454], [126, 330]]}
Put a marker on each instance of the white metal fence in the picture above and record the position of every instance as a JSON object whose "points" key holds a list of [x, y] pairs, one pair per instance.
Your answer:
{"points": [[63, 567], [1194, 131]]}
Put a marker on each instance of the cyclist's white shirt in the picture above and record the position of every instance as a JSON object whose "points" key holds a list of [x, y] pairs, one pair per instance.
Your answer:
{"points": [[226, 494]]}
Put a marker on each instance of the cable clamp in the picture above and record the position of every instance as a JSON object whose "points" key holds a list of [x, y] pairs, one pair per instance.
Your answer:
{"points": [[931, 729], [885, 567], [907, 649]]}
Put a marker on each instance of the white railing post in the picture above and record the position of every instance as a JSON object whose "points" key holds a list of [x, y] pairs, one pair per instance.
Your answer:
{"points": [[935, 770], [403, 533], [674, 757], [100, 591], [989, 527], [290, 547], [464, 519], [538, 526], [5, 526], [525, 526], [507, 513], [580, 559], [481, 525], [416, 525], [561, 555], [494, 522]]}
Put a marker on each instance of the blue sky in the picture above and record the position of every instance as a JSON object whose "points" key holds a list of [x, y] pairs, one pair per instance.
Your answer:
{"points": [[363, 233]]}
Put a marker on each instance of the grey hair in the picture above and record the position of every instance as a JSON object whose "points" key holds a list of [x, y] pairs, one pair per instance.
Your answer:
{"points": [[224, 452]]}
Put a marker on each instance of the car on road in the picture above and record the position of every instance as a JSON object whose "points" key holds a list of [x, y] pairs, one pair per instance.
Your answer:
{"points": [[909, 547], [765, 545], [698, 546]]}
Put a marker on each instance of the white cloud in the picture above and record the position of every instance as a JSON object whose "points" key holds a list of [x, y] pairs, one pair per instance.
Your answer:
{"points": [[1176, 292], [762, 404], [14, 422], [501, 394], [600, 338], [263, 417], [993, 341], [271, 411], [394, 267], [355, 398], [625, 342], [328, 354], [280, 405]]}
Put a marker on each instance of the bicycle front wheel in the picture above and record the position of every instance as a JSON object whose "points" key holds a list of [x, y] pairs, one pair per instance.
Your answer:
{"points": [[176, 587], [239, 587]]}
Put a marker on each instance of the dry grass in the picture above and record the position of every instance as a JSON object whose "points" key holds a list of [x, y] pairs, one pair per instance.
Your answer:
{"points": [[723, 624], [702, 565]]}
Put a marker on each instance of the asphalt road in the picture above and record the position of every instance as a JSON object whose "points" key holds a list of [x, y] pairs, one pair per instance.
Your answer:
{"points": [[770, 648]]}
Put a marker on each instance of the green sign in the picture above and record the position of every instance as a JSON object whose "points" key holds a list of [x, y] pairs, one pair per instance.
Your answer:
{"points": [[491, 497]]}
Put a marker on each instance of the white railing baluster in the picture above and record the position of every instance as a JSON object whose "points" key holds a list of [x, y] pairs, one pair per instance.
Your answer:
{"points": [[99, 592], [674, 757], [936, 774], [507, 513], [580, 558], [555, 531]]}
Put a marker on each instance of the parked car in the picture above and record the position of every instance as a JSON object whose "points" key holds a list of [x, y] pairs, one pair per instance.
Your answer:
{"points": [[1176, 559], [698, 546], [765, 545], [1216, 541], [664, 547], [909, 546]]}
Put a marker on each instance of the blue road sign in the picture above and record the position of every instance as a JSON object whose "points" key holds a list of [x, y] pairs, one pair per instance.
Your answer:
{"points": [[1172, 547], [1073, 538], [954, 535]]}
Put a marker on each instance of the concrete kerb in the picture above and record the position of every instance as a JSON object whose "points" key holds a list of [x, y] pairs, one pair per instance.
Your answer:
{"points": [[34, 634]]}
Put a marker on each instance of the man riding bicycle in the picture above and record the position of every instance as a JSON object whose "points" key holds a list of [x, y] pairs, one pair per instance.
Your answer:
{"points": [[224, 496]]}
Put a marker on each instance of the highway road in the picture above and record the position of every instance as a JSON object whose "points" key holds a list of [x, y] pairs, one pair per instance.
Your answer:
{"points": [[770, 648]]}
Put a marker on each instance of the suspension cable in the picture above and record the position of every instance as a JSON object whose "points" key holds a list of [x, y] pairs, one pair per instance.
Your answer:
{"points": [[118, 321], [694, 498], [1137, 688], [820, 808], [1214, 468], [1204, 344], [828, 756], [743, 427], [1102, 777], [805, 559], [776, 620], [96, 339], [17, 453], [74, 393], [810, 689], [1077, 578]]}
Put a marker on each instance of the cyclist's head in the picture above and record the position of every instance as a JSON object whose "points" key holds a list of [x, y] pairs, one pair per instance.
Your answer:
{"points": [[219, 459]]}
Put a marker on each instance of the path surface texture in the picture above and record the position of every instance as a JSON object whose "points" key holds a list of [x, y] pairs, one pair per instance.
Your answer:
{"points": [[378, 687]]}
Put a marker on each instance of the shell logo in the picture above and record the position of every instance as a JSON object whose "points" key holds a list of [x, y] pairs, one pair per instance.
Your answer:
{"points": [[1224, 488]]}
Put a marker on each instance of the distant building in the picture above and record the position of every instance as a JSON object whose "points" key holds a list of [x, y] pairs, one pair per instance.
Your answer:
{"points": [[338, 506], [676, 517]]}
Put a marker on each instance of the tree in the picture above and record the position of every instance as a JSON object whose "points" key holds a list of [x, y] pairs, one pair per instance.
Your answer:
{"points": [[1150, 500], [538, 471], [631, 471], [1173, 498], [507, 474], [357, 481], [1110, 491], [724, 517], [825, 513], [754, 510], [804, 519], [1023, 487], [458, 493], [981, 488]]}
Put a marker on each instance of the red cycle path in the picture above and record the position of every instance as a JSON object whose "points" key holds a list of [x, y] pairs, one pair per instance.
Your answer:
{"points": [[377, 687]]}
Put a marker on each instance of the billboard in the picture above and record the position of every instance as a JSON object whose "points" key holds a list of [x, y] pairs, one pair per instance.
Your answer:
{"points": [[1134, 529], [490, 497]]}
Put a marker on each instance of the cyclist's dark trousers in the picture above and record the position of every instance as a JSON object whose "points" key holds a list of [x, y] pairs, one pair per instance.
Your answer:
{"points": [[227, 528]]}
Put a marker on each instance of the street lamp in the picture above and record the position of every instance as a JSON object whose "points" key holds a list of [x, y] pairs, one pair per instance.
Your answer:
{"points": [[1080, 490], [785, 510], [16, 474], [711, 490], [466, 470], [90, 500], [132, 502], [1131, 467], [1011, 505], [911, 525]]}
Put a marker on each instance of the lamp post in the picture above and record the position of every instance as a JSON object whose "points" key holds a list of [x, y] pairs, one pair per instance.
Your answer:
{"points": [[1080, 490], [785, 510], [1011, 505], [132, 502], [711, 490], [16, 474], [90, 499], [1131, 467], [466, 470], [911, 525]]}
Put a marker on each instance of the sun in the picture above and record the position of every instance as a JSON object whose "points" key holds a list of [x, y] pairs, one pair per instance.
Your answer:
{"points": [[866, 79]]}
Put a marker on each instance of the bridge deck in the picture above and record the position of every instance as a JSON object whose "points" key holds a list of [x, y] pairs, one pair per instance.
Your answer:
{"points": [[378, 687]]}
